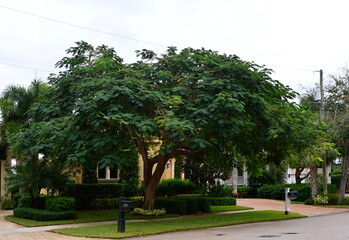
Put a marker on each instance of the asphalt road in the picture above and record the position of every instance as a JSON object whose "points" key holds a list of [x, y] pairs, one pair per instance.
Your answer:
{"points": [[327, 227]]}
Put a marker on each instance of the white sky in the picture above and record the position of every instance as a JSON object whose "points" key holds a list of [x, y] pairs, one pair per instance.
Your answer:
{"points": [[292, 37]]}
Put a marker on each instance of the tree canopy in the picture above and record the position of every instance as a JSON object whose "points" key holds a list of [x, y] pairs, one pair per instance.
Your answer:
{"points": [[194, 102]]}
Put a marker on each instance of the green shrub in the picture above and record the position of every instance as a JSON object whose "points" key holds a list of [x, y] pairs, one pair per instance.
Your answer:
{"points": [[60, 204], [332, 198], [320, 200], [137, 200], [142, 212], [204, 204], [278, 191], [172, 205], [42, 215], [8, 203], [84, 193], [221, 190], [104, 203], [26, 202], [336, 179], [246, 191], [219, 201], [346, 201], [172, 187], [309, 201], [195, 202]]}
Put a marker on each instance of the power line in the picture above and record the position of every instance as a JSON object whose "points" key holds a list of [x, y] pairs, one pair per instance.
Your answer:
{"points": [[82, 27], [20, 66], [294, 69]]}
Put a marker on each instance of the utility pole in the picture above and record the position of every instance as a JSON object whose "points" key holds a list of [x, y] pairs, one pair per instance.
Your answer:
{"points": [[324, 163]]}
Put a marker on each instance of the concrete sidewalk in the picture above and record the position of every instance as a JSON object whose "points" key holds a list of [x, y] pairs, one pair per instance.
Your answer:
{"points": [[11, 231]]}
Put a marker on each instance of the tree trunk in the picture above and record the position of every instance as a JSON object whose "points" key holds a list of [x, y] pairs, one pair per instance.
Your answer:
{"points": [[298, 173], [151, 181], [313, 179], [344, 179], [325, 176]]}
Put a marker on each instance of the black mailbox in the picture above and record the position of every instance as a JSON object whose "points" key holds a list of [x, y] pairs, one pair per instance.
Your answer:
{"points": [[292, 195], [126, 206]]}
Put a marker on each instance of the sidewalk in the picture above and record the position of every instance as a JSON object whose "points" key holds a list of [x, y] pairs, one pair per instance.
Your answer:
{"points": [[11, 231]]}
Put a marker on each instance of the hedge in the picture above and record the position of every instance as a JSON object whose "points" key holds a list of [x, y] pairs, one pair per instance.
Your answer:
{"points": [[172, 205], [104, 203], [85, 193], [60, 204], [278, 191], [218, 201], [42, 215], [172, 187]]}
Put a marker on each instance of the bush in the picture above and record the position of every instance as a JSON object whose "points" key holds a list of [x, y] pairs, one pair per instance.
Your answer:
{"points": [[219, 201], [42, 215], [336, 179], [172, 205], [309, 201], [104, 203], [195, 202], [172, 187], [60, 204], [246, 191], [142, 212], [85, 193], [26, 202], [346, 201], [137, 200], [8, 203], [219, 190], [320, 200], [332, 198]]}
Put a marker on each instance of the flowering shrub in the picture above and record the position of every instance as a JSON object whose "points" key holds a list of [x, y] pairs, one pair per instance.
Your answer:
{"points": [[155, 212], [320, 200]]}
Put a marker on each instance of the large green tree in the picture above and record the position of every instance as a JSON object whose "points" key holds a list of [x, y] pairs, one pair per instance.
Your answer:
{"points": [[193, 103]]}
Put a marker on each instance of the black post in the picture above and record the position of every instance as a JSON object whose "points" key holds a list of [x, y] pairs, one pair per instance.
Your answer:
{"points": [[121, 219]]}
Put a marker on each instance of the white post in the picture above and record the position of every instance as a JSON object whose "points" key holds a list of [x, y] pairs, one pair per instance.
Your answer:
{"points": [[287, 201]]}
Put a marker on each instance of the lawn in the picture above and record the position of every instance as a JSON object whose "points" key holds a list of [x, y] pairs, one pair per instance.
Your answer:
{"points": [[228, 208], [171, 225], [82, 217], [106, 215]]}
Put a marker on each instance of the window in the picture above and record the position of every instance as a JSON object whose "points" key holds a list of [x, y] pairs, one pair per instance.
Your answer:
{"points": [[107, 173]]}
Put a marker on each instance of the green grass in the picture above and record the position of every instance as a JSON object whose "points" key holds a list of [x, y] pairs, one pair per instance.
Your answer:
{"points": [[82, 217], [155, 227], [228, 208]]}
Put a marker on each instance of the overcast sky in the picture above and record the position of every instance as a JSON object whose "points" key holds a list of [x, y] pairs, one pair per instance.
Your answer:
{"points": [[294, 38]]}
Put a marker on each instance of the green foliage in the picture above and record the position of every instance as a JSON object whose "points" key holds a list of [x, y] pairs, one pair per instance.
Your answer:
{"points": [[8, 203], [26, 202], [85, 193], [142, 212], [221, 201], [138, 201], [346, 201], [309, 201], [60, 204], [333, 198], [335, 179], [172, 187], [42, 215], [219, 190], [320, 200], [246, 191], [260, 178], [172, 205], [104, 203]]}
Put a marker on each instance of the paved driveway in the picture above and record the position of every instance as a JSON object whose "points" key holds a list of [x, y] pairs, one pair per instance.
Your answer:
{"points": [[11, 231]]}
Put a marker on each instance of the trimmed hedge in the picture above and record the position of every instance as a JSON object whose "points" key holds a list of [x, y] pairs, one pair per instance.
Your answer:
{"points": [[172, 205], [42, 215], [104, 203], [139, 201], [85, 193], [172, 187], [60, 204], [278, 191], [219, 201]]}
